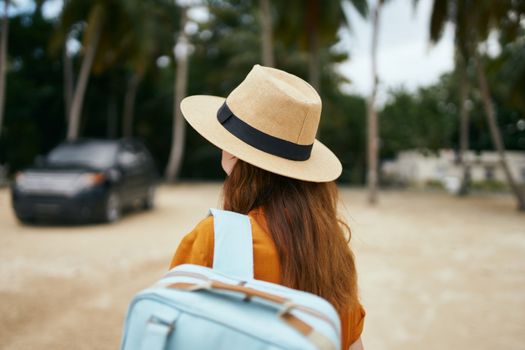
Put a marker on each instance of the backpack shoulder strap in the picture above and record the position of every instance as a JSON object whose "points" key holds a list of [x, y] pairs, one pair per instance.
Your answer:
{"points": [[233, 245]]}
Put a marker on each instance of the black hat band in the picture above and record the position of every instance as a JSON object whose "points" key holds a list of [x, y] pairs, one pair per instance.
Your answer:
{"points": [[260, 140]]}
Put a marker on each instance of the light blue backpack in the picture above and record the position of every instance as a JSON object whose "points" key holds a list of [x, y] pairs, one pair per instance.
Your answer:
{"points": [[197, 308]]}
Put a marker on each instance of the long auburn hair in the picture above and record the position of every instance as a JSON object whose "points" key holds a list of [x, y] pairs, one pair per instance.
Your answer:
{"points": [[312, 242]]}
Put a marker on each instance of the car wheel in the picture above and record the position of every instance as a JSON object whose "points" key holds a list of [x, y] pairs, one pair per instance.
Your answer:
{"points": [[113, 208], [26, 220], [149, 201]]}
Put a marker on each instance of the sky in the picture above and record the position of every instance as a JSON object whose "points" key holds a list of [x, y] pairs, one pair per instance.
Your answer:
{"points": [[405, 56]]}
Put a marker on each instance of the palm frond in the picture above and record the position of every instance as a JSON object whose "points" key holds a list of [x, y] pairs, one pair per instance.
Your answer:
{"points": [[438, 19]]}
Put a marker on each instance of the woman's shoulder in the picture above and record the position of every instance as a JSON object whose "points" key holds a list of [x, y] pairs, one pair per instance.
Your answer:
{"points": [[197, 246], [202, 232], [204, 226]]}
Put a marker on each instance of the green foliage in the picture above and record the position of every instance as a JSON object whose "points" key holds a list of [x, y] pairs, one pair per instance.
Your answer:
{"points": [[489, 185], [429, 117], [509, 66], [474, 20], [426, 119], [34, 116], [344, 132], [434, 184], [133, 31], [297, 19]]}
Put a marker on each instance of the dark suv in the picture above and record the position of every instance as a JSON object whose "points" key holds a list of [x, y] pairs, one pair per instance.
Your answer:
{"points": [[86, 180]]}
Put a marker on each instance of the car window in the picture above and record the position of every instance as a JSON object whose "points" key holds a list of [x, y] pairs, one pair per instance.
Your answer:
{"points": [[88, 154], [127, 157], [142, 154]]}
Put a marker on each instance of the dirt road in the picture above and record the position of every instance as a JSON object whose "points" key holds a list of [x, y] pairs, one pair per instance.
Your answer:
{"points": [[436, 272]]}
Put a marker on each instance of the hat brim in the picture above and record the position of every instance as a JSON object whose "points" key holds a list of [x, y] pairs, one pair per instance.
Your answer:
{"points": [[201, 113]]}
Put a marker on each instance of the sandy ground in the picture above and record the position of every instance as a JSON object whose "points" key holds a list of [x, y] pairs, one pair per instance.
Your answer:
{"points": [[435, 272]]}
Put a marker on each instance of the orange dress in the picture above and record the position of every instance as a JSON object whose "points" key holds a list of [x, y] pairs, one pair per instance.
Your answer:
{"points": [[197, 248]]}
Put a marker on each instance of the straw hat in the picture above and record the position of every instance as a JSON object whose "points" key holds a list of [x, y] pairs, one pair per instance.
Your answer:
{"points": [[270, 120]]}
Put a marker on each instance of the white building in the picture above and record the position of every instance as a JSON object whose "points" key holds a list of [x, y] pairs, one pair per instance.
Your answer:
{"points": [[420, 168]]}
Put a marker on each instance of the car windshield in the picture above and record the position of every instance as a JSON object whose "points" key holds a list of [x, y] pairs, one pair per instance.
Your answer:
{"points": [[86, 154]]}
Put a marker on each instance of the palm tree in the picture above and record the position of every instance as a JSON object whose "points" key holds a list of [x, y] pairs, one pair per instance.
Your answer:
{"points": [[474, 21], [463, 92], [74, 12], [129, 101], [181, 52], [104, 24], [3, 59], [68, 75], [372, 174], [312, 32], [495, 132], [314, 26], [463, 47], [139, 57], [95, 23], [511, 69], [69, 80], [265, 16], [147, 35]]}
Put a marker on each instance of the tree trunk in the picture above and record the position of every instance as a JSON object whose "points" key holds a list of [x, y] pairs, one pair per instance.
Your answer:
{"points": [[314, 73], [372, 175], [111, 129], [83, 78], [464, 124], [179, 125], [3, 60], [129, 104], [314, 65], [68, 82], [495, 133], [313, 45], [266, 33]]}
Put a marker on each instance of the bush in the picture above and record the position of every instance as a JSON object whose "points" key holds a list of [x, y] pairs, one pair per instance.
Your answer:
{"points": [[489, 185]]}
